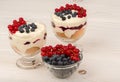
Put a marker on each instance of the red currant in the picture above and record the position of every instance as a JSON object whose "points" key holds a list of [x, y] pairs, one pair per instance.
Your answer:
{"points": [[14, 21], [21, 19]]}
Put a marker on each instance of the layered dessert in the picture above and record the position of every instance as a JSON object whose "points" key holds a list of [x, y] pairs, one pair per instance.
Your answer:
{"points": [[69, 22], [62, 60], [26, 38]]}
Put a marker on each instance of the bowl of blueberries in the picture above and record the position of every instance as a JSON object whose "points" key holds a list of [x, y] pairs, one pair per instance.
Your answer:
{"points": [[61, 60]]}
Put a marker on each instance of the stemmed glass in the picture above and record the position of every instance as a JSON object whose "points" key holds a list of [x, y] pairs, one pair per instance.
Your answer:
{"points": [[27, 41]]}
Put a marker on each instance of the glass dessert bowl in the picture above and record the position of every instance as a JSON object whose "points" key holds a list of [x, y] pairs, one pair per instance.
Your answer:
{"points": [[26, 39], [61, 60], [69, 22]]}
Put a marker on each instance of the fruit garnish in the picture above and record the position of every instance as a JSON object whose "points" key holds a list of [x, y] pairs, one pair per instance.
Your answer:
{"points": [[73, 10], [60, 54], [14, 27]]}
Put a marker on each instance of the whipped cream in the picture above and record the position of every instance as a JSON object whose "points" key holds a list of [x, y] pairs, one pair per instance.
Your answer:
{"points": [[19, 39], [68, 23]]}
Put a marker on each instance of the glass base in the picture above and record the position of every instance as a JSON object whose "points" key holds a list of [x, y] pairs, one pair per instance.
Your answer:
{"points": [[28, 63]]}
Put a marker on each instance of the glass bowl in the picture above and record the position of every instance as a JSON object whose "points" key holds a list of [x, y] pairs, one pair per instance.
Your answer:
{"points": [[64, 71]]}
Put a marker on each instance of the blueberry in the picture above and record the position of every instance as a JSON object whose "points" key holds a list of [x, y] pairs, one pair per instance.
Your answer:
{"points": [[46, 58], [55, 56], [24, 25], [27, 31], [69, 17], [74, 14], [63, 11], [49, 62], [59, 58], [27, 28], [62, 55], [21, 30], [29, 25], [68, 58], [58, 13], [54, 62], [32, 30], [65, 63], [20, 27], [51, 59], [61, 15], [63, 18], [72, 62], [33, 26], [60, 63], [69, 11], [64, 59]]}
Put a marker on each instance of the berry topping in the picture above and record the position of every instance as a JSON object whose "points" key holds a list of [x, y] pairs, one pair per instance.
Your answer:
{"points": [[72, 10], [27, 28], [21, 26], [16, 24], [33, 25], [60, 54]]}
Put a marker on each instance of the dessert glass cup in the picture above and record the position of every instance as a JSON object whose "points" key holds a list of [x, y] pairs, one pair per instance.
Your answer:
{"points": [[64, 71], [29, 59]]}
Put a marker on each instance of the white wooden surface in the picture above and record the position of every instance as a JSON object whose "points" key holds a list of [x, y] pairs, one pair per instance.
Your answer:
{"points": [[101, 42]]}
